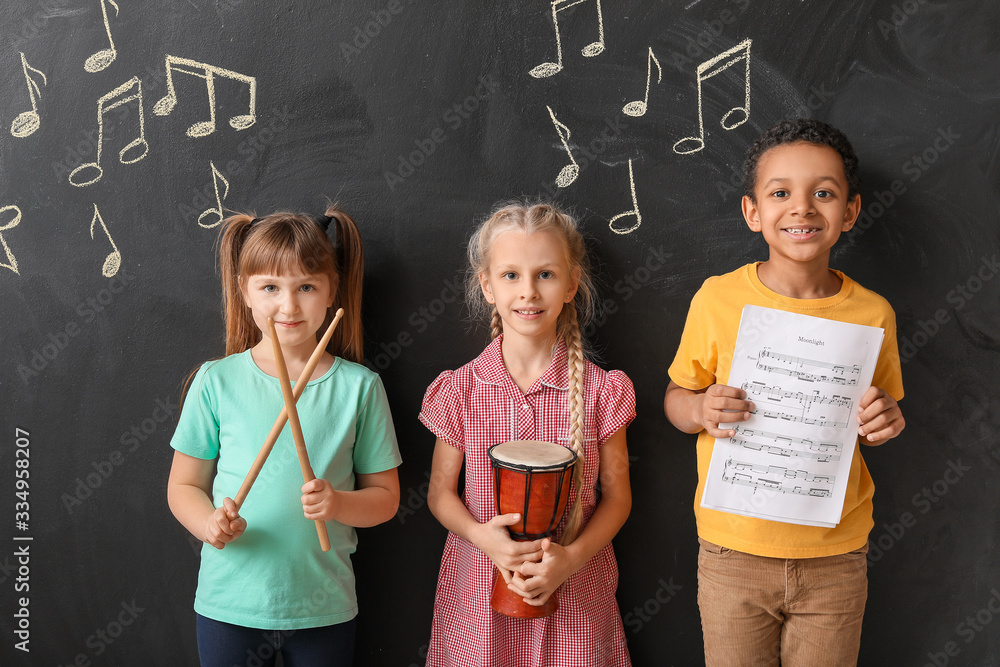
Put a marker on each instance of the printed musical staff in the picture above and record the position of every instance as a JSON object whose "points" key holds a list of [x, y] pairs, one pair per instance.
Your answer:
{"points": [[135, 150], [735, 116], [784, 445], [217, 210], [795, 366], [28, 121], [568, 173], [589, 51], [11, 260], [634, 211], [114, 259], [100, 60], [208, 73], [639, 107], [758, 477], [777, 393]]}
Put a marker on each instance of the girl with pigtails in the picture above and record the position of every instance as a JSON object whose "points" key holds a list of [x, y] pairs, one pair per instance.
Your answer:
{"points": [[528, 269], [265, 586]]}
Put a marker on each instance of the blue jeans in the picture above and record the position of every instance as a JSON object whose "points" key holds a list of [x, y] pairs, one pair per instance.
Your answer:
{"points": [[226, 645]]}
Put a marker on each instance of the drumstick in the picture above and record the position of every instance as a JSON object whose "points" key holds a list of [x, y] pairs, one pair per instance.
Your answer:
{"points": [[293, 421], [279, 423]]}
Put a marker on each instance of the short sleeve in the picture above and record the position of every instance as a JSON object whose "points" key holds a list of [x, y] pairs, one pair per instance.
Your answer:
{"points": [[197, 432], [697, 358], [441, 411], [888, 371], [615, 405], [375, 445]]}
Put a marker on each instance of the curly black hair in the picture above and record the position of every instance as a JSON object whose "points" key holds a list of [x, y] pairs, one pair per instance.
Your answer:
{"points": [[801, 129]]}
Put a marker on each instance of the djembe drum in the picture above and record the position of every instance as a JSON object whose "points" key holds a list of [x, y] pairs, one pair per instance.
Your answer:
{"points": [[532, 479]]}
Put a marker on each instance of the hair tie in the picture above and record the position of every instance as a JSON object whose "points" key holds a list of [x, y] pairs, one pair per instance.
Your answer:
{"points": [[324, 222], [254, 222]]}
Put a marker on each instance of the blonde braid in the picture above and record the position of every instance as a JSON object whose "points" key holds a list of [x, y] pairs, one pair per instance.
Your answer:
{"points": [[576, 404], [496, 324]]}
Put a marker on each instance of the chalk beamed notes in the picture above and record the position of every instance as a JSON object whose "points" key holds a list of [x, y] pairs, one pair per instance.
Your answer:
{"points": [[208, 73], [135, 150], [632, 212], [28, 121], [639, 107], [11, 261], [568, 173], [589, 51], [217, 209], [101, 59], [114, 259], [735, 116]]}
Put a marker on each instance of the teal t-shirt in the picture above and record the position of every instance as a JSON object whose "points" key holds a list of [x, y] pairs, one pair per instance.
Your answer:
{"points": [[275, 576]]}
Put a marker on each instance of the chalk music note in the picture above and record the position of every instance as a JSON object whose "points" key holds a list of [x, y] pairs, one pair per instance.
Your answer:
{"points": [[11, 261], [633, 211], [216, 177], [638, 107], [114, 259], [28, 121], [589, 51], [129, 91], [568, 173], [735, 116], [207, 72], [100, 60]]}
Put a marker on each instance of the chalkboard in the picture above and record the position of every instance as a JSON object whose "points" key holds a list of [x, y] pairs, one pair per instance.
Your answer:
{"points": [[419, 117]]}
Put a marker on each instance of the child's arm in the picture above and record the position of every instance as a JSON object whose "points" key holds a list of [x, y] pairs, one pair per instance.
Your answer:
{"points": [[695, 411], [491, 537], [375, 500], [880, 418], [537, 581], [189, 496]]}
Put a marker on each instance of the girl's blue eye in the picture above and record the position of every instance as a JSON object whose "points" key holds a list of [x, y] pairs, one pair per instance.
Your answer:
{"points": [[510, 275], [307, 288], [545, 275], [270, 289]]}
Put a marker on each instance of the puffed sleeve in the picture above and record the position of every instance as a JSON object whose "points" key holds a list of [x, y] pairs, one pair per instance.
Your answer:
{"points": [[441, 411], [615, 405]]}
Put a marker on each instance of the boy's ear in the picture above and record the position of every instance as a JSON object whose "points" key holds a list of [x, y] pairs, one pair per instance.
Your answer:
{"points": [[484, 284], [750, 214], [852, 213]]}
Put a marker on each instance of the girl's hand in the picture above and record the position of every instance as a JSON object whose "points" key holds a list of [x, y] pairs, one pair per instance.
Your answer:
{"points": [[508, 555], [879, 417], [536, 582], [319, 500], [224, 525]]}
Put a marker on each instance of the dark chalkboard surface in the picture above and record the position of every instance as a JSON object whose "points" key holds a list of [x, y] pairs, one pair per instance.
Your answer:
{"points": [[418, 117]]}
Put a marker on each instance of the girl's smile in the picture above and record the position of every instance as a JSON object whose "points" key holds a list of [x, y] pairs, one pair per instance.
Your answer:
{"points": [[298, 303]]}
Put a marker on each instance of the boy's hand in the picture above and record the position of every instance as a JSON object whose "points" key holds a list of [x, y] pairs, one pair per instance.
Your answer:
{"points": [[319, 500], [224, 525], [723, 404], [880, 418]]}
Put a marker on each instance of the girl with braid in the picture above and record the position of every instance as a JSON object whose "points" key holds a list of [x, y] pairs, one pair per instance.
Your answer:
{"points": [[528, 269]]}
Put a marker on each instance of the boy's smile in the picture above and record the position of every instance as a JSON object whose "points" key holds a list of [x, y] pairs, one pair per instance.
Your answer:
{"points": [[802, 206]]}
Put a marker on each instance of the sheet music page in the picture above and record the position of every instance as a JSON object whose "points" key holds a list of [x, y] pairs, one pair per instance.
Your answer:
{"points": [[805, 376]]}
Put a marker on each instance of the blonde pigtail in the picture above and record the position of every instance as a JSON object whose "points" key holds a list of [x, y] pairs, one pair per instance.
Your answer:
{"points": [[496, 324], [577, 414]]}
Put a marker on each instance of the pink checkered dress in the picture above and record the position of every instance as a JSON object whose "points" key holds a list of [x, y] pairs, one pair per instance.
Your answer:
{"points": [[478, 406]]}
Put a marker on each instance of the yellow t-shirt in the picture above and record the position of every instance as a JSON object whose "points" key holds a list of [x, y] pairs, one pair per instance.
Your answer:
{"points": [[705, 357]]}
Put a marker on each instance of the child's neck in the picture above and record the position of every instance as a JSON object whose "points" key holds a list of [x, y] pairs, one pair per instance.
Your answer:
{"points": [[295, 360], [799, 281], [527, 359]]}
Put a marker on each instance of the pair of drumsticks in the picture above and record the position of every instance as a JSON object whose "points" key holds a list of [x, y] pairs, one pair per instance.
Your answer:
{"points": [[290, 414]]}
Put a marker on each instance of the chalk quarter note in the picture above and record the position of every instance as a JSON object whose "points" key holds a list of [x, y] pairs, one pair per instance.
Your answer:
{"points": [[217, 210], [114, 259], [633, 212], [568, 173], [639, 107], [91, 172], [739, 54], [11, 260], [589, 51], [209, 74], [100, 60], [28, 121]]}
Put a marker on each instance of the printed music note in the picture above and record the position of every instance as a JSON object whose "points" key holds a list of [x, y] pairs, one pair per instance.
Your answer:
{"points": [[735, 116], [568, 173], [28, 121], [216, 177], [114, 259], [11, 261], [589, 51], [207, 72], [129, 91], [100, 60], [633, 211], [638, 107]]}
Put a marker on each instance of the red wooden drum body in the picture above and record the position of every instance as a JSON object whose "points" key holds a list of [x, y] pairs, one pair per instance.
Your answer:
{"points": [[532, 479]]}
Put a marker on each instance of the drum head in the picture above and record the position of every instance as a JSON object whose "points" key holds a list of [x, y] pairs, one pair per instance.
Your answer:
{"points": [[532, 454]]}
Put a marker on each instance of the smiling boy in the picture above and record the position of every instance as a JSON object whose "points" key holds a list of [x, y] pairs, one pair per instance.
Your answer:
{"points": [[769, 591]]}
